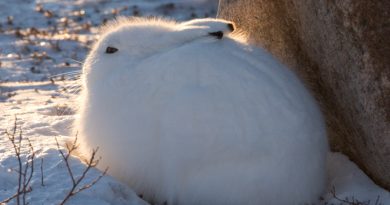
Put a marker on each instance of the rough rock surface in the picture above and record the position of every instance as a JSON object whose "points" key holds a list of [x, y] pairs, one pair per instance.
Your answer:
{"points": [[342, 51]]}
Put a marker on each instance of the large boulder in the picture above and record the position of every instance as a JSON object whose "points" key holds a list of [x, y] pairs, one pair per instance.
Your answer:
{"points": [[342, 51]]}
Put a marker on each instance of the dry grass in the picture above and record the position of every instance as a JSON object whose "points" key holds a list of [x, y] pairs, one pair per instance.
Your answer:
{"points": [[25, 168]]}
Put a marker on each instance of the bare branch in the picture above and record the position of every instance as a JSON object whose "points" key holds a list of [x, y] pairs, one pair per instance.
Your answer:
{"points": [[11, 137], [87, 186], [92, 162], [42, 184], [27, 178], [5, 201], [24, 173], [65, 157], [353, 201]]}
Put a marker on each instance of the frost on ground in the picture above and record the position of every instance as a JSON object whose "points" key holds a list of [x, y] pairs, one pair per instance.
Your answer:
{"points": [[41, 39]]}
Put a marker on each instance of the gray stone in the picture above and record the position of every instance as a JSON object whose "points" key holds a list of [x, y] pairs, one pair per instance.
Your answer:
{"points": [[341, 49]]}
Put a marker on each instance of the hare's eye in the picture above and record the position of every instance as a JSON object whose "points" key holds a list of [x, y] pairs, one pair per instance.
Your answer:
{"points": [[111, 50]]}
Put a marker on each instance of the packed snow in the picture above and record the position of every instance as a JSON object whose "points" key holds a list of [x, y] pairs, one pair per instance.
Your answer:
{"points": [[41, 39]]}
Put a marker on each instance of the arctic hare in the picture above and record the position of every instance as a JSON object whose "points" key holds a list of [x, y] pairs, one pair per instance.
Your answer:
{"points": [[186, 114]]}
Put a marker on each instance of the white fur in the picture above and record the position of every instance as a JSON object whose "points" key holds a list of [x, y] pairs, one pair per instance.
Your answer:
{"points": [[186, 118]]}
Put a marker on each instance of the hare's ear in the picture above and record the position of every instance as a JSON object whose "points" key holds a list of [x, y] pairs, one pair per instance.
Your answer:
{"points": [[214, 25], [217, 34], [200, 28]]}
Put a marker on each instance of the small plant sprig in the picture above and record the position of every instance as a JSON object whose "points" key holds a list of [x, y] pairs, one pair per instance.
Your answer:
{"points": [[353, 201], [92, 162], [25, 168]]}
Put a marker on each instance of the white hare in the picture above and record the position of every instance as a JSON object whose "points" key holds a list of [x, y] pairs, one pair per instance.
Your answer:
{"points": [[186, 114]]}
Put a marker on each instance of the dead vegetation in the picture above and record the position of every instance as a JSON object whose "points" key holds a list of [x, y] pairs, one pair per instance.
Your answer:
{"points": [[352, 200], [92, 162], [25, 167]]}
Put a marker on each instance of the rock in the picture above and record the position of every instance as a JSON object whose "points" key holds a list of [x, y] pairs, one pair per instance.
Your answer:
{"points": [[342, 51]]}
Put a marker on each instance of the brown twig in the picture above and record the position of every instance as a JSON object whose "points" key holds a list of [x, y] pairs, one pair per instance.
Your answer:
{"points": [[42, 184], [92, 162], [24, 173], [5, 201], [66, 157], [354, 201], [377, 200], [27, 179]]}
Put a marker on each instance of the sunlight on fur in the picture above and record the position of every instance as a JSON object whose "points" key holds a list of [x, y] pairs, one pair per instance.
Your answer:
{"points": [[188, 113]]}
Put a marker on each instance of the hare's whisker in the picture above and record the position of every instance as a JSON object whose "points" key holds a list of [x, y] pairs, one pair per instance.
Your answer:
{"points": [[76, 61], [71, 88], [71, 73]]}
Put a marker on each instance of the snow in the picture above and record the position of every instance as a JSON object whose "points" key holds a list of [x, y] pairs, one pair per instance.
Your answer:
{"points": [[46, 109], [350, 182]]}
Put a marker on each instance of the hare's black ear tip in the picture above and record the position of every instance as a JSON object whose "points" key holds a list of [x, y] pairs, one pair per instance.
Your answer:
{"points": [[231, 26], [217, 34]]}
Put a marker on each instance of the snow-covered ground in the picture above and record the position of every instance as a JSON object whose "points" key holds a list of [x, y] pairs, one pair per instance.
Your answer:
{"points": [[41, 39]]}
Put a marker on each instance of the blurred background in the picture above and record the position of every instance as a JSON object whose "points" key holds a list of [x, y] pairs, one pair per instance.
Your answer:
{"points": [[42, 38]]}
